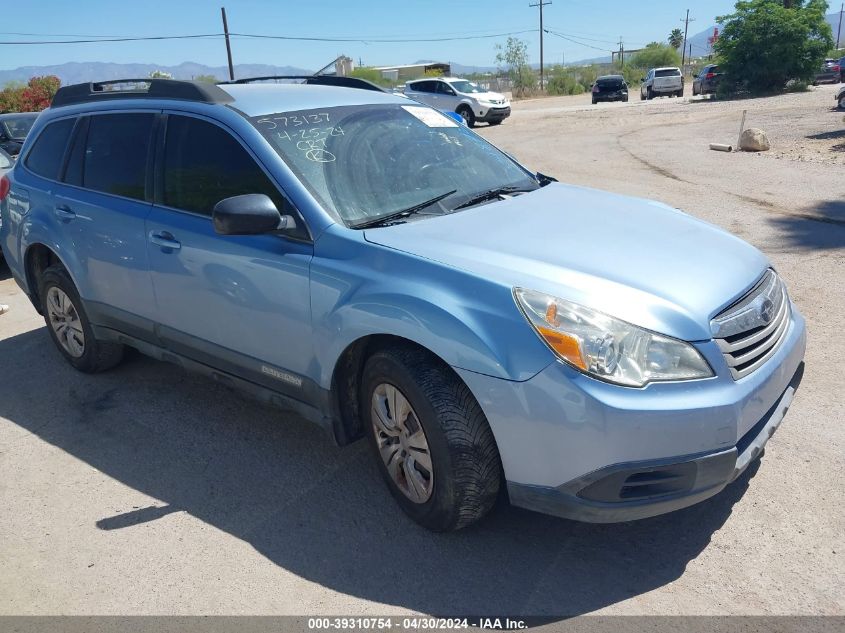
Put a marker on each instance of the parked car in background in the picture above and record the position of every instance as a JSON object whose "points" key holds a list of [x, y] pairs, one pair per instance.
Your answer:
{"points": [[14, 127], [842, 69], [840, 98], [472, 102], [662, 82], [383, 271], [829, 73], [707, 80], [6, 162], [610, 88]]}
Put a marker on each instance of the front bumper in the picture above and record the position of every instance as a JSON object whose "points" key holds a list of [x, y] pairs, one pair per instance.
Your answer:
{"points": [[493, 114], [636, 490], [581, 448]]}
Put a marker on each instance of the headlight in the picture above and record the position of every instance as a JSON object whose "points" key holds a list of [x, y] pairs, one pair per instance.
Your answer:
{"points": [[607, 348]]}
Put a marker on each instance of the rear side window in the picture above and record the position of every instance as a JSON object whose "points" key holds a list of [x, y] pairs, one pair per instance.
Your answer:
{"points": [[203, 164], [424, 86], [116, 154], [46, 156]]}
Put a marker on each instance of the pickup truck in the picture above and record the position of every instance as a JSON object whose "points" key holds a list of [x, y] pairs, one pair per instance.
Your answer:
{"points": [[662, 82]]}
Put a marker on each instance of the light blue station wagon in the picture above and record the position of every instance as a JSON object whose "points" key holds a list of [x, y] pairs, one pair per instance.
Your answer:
{"points": [[378, 268]]}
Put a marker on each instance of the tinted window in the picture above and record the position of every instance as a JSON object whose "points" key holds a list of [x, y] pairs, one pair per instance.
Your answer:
{"points": [[46, 156], [203, 164], [116, 154], [444, 88], [669, 72], [424, 86], [609, 83]]}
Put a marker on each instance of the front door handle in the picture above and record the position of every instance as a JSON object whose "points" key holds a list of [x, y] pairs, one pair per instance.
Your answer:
{"points": [[165, 240], [64, 212]]}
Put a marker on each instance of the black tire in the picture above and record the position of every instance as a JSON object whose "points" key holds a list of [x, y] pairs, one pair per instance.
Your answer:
{"points": [[680, 93], [649, 94], [842, 102], [466, 469], [468, 115], [97, 355], [594, 102]]}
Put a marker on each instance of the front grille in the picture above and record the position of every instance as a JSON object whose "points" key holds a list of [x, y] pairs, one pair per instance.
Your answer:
{"points": [[750, 331]]}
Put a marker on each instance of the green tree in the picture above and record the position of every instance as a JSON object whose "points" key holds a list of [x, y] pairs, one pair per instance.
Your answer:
{"points": [[371, 74], [209, 79], [676, 38], [655, 55], [765, 44], [160, 74], [514, 56], [11, 96]]}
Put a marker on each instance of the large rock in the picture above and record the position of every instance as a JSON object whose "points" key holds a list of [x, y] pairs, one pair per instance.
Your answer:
{"points": [[754, 140]]}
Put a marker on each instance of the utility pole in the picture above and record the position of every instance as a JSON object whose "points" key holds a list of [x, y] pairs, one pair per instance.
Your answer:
{"points": [[839, 30], [228, 45], [686, 22], [621, 52], [541, 4]]}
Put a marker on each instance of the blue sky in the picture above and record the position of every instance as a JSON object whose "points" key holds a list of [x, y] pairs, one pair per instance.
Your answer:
{"points": [[600, 22]]}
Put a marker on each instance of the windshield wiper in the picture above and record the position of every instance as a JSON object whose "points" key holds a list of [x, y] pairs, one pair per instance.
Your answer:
{"points": [[402, 213], [491, 194]]}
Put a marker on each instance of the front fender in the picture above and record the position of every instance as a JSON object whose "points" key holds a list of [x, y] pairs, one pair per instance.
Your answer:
{"points": [[361, 289]]}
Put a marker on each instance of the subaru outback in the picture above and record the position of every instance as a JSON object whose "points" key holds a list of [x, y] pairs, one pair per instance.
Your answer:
{"points": [[378, 268]]}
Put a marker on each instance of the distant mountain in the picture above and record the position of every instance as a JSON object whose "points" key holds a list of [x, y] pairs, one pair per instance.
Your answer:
{"points": [[80, 72], [701, 45]]}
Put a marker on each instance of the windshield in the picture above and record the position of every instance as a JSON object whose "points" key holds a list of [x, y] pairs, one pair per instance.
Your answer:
{"points": [[18, 126], [467, 87], [366, 161]]}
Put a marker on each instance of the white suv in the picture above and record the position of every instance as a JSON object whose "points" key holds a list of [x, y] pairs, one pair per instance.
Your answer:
{"points": [[452, 94], [662, 82]]}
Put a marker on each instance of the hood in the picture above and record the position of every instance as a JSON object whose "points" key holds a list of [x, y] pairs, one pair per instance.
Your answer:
{"points": [[637, 260], [488, 96]]}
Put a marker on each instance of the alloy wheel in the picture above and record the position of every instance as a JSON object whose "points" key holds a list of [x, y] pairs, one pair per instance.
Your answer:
{"points": [[64, 319], [402, 443]]}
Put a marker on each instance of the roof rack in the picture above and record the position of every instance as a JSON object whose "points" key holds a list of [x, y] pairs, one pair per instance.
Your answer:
{"points": [[315, 80], [141, 88]]}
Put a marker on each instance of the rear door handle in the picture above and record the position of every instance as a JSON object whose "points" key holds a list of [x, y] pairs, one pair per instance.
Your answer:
{"points": [[165, 240], [64, 212]]}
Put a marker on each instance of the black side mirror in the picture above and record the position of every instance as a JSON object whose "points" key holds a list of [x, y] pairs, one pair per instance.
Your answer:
{"points": [[249, 214]]}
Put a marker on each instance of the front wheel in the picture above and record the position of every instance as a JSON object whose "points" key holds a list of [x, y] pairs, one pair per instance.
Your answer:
{"points": [[433, 445], [842, 102], [467, 115]]}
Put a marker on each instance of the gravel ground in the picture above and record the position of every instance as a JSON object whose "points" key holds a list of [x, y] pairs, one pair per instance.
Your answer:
{"points": [[149, 491]]}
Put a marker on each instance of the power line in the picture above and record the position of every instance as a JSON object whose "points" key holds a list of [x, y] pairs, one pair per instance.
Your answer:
{"points": [[115, 39], [564, 37], [298, 38]]}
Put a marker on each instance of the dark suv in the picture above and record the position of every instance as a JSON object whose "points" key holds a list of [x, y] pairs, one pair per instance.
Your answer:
{"points": [[610, 88], [706, 81]]}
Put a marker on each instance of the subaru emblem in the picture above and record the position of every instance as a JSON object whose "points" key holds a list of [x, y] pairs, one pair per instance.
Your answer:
{"points": [[767, 311]]}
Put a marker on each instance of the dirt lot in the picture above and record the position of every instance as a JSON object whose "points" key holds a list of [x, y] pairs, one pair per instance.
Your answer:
{"points": [[146, 490]]}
